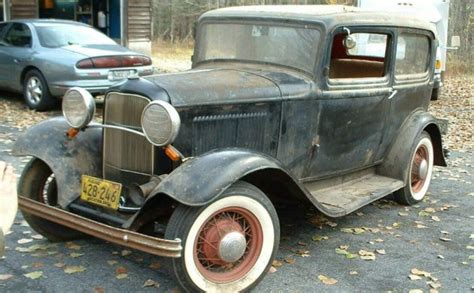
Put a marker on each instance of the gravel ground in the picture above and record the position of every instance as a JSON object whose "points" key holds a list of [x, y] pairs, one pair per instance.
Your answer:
{"points": [[381, 247]]}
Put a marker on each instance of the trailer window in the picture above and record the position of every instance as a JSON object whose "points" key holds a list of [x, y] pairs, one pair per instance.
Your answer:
{"points": [[412, 54]]}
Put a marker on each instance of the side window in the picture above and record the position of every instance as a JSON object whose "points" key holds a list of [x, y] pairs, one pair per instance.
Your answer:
{"points": [[19, 35], [365, 60], [413, 53]]}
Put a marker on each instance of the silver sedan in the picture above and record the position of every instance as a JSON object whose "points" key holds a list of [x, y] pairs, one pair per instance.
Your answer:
{"points": [[44, 58]]}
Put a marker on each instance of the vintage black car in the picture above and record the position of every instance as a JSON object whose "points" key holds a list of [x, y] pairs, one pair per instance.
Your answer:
{"points": [[326, 104]]}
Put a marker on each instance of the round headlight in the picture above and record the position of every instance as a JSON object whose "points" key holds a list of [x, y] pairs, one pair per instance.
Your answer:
{"points": [[160, 122], [78, 107]]}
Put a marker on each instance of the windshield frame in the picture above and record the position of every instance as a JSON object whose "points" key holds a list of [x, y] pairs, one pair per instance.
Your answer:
{"points": [[258, 21], [46, 26]]}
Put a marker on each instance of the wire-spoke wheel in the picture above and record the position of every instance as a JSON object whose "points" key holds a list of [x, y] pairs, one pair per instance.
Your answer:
{"points": [[419, 171], [36, 91], [228, 244], [38, 182]]}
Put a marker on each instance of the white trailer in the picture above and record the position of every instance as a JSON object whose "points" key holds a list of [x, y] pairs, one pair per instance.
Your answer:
{"points": [[434, 11]]}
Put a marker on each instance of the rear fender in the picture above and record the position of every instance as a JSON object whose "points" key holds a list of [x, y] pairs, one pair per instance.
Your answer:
{"points": [[398, 157], [68, 158]]}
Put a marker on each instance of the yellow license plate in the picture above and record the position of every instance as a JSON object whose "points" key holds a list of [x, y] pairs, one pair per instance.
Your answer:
{"points": [[101, 192]]}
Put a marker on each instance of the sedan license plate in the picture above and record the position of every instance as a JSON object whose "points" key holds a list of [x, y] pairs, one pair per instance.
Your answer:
{"points": [[121, 74], [101, 192]]}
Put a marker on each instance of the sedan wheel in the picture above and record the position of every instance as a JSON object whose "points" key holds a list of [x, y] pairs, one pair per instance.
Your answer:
{"points": [[229, 244], [36, 92]]}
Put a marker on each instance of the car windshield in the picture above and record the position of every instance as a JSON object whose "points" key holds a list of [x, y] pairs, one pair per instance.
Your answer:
{"points": [[60, 35], [270, 43]]}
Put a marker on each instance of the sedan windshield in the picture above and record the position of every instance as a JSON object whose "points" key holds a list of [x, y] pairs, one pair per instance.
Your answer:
{"points": [[60, 35], [269, 43]]}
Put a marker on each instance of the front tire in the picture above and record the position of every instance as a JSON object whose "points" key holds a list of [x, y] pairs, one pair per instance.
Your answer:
{"points": [[37, 182], [229, 244], [36, 92], [419, 171]]}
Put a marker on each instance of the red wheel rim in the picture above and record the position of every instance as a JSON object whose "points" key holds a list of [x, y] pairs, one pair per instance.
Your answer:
{"points": [[206, 252], [417, 182]]}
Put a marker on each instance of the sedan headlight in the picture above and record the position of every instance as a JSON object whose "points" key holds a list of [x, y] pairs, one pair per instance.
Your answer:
{"points": [[78, 107], [160, 123]]}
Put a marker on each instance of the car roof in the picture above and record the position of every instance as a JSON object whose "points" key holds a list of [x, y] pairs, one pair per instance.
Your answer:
{"points": [[329, 15], [48, 21]]}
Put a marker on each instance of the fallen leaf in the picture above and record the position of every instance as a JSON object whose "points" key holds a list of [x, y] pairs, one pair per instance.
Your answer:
{"points": [[378, 240], [434, 285], [472, 236], [37, 265], [59, 265], [471, 257], [435, 218], [415, 291], [360, 214], [34, 275], [75, 254], [345, 247], [445, 239], [277, 263], [340, 251], [353, 273], [125, 252], [440, 256], [37, 237], [331, 224], [319, 237], [351, 255], [470, 247], [120, 270], [347, 230], [380, 251], [272, 270], [73, 246], [366, 255], [301, 243], [290, 261], [5, 277], [303, 253], [24, 241], [74, 269], [418, 272], [112, 262], [327, 280], [155, 266], [358, 231], [151, 283], [401, 214], [98, 290], [414, 277], [121, 276]]}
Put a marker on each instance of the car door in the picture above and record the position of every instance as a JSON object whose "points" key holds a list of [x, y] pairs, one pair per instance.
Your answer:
{"points": [[355, 101], [15, 52], [413, 78], [3, 69]]}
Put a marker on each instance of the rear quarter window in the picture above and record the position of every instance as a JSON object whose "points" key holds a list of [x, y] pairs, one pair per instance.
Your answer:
{"points": [[413, 51]]}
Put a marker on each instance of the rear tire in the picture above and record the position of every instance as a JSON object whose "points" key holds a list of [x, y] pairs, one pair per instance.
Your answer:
{"points": [[36, 92], [228, 244], [37, 183], [419, 171]]}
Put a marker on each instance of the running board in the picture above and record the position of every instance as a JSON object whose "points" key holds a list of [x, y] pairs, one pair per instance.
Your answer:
{"points": [[138, 241], [343, 195]]}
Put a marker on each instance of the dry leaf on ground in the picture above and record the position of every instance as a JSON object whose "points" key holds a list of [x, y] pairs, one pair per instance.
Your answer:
{"points": [[327, 280], [34, 275], [74, 269]]}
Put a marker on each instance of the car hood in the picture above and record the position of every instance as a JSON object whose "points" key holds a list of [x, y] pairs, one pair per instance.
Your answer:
{"points": [[98, 50], [212, 86]]}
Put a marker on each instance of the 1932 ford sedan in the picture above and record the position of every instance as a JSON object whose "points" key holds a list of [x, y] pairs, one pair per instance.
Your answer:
{"points": [[322, 103]]}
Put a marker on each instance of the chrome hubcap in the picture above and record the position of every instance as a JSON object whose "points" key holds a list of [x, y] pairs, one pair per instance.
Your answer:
{"points": [[232, 246], [423, 169], [34, 90]]}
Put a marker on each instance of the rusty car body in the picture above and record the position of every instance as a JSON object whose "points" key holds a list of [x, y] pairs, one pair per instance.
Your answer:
{"points": [[281, 103]]}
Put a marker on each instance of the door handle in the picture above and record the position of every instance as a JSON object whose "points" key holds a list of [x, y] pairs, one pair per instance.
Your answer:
{"points": [[17, 61], [393, 93]]}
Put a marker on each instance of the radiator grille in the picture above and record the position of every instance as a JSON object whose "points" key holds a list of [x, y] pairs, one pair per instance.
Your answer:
{"points": [[127, 157]]}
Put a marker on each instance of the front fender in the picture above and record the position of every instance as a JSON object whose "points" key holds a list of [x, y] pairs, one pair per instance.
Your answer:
{"points": [[199, 180], [67, 158]]}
